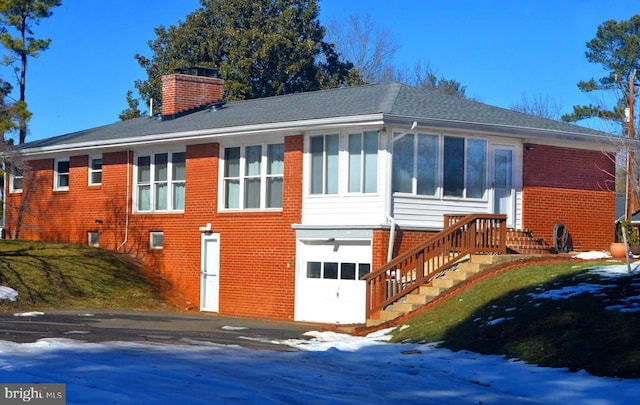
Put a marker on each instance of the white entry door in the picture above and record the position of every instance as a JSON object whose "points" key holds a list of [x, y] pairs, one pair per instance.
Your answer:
{"points": [[210, 273], [502, 182]]}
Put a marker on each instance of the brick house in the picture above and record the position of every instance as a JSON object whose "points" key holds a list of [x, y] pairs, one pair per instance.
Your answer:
{"points": [[275, 207]]}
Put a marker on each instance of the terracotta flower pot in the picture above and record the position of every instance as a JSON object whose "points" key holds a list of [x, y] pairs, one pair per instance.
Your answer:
{"points": [[618, 250]]}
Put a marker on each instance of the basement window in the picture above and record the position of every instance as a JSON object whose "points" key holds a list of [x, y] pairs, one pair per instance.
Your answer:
{"points": [[93, 238], [156, 240]]}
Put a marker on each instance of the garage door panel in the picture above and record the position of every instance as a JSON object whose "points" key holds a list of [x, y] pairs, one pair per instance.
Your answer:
{"points": [[328, 288]]}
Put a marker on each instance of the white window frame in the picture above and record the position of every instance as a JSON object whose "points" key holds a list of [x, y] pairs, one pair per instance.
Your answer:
{"points": [[243, 177], [363, 171], [13, 176], [93, 242], [93, 171], [58, 175], [440, 167], [326, 164], [153, 241], [170, 182]]}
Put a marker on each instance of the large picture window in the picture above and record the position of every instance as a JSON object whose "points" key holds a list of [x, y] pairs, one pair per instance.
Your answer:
{"points": [[253, 177], [160, 182], [417, 169]]}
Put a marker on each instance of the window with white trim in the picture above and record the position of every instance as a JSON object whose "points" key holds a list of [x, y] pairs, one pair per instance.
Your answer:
{"points": [[93, 238], [324, 151], [363, 162], [253, 177], [156, 240], [61, 175], [16, 179], [95, 171], [160, 182], [417, 169]]}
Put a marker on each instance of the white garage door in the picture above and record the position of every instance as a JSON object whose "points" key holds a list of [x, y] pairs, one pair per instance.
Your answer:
{"points": [[328, 288]]}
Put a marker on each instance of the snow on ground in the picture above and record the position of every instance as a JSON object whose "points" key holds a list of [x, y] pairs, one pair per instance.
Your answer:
{"points": [[328, 368]]}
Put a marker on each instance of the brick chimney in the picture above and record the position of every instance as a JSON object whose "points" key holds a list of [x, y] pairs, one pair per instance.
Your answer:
{"points": [[189, 90]]}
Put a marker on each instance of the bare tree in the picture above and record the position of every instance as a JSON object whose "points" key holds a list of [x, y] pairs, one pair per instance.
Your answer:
{"points": [[542, 106], [17, 167], [368, 46]]}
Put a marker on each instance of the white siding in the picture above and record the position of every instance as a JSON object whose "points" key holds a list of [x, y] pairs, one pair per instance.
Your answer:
{"points": [[414, 211]]}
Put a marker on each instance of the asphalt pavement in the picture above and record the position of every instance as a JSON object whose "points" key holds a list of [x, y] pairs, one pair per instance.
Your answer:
{"points": [[99, 326]]}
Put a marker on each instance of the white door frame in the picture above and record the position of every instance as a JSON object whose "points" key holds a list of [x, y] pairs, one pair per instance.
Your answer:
{"points": [[210, 272], [510, 210]]}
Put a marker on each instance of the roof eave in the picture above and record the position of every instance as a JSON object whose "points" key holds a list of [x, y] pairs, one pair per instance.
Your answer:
{"points": [[525, 133], [288, 127]]}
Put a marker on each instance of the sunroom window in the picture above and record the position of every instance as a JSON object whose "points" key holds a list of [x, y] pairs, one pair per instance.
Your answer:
{"points": [[415, 164], [253, 177], [417, 169], [160, 182]]}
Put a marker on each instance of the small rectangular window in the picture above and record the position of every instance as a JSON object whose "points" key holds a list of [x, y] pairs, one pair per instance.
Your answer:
{"points": [[62, 175], [331, 270], [15, 180], [156, 240], [314, 269], [94, 238], [95, 171]]}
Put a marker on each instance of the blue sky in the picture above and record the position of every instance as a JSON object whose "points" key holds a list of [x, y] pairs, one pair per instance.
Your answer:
{"points": [[498, 49]]}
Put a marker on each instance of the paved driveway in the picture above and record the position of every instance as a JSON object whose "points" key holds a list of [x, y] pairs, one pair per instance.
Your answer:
{"points": [[96, 326]]}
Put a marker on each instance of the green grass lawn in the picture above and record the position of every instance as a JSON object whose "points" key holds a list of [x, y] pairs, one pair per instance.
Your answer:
{"points": [[65, 276], [594, 331]]}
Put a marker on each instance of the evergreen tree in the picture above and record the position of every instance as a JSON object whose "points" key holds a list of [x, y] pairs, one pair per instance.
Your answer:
{"points": [[616, 48], [19, 17], [260, 48]]}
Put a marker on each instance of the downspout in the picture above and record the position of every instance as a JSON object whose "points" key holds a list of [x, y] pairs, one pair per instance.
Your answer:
{"points": [[390, 218], [126, 218]]}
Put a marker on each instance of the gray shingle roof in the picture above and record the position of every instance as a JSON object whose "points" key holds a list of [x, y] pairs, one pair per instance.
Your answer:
{"points": [[390, 99]]}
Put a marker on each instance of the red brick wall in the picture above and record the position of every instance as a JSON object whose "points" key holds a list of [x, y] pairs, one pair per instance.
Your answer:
{"points": [[571, 186], [257, 258], [182, 92]]}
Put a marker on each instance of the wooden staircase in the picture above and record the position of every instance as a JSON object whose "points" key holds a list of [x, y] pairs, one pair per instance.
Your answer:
{"points": [[439, 284], [401, 285]]}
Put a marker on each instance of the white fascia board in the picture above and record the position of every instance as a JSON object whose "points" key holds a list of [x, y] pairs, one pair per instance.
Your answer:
{"points": [[528, 135], [289, 128]]}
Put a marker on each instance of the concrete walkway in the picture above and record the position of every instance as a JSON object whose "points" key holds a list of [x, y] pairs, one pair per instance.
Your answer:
{"points": [[101, 325]]}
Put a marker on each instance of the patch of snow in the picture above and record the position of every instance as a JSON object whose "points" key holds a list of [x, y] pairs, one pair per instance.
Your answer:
{"points": [[8, 293], [32, 313]]}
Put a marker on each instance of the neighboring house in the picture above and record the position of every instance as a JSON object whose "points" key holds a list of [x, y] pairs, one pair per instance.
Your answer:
{"points": [[275, 207]]}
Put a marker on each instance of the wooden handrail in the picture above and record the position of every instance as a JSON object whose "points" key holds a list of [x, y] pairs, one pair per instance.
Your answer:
{"points": [[462, 235]]}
